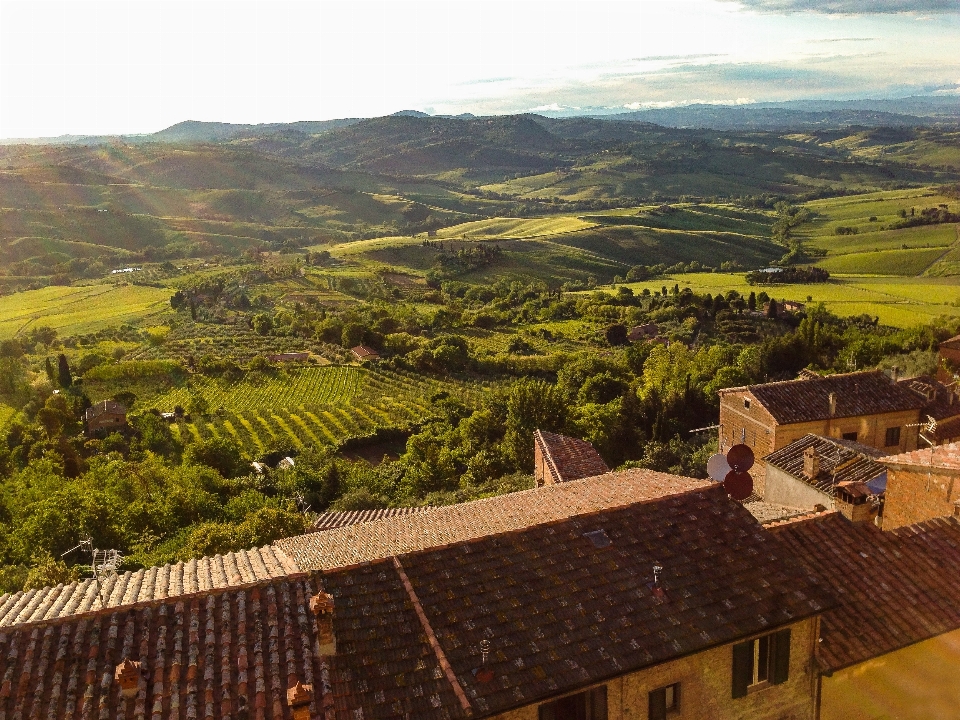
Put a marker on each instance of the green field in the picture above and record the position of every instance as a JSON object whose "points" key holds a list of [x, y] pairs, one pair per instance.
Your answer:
{"points": [[900, 302], [515, 228], [74, 310], [884, 262]]}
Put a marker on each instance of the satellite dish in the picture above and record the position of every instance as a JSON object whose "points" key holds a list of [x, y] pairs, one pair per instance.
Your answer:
{"points": [[740, 458], [738, 485], [718, 467]]}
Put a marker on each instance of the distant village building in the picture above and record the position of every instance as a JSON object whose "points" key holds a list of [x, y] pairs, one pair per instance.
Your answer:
{"points": [[106, 415], [828, 473], [558, 458], [289, 357], [362, 352], [792, 306], [865, 407], [922, 485], [648, 331]]}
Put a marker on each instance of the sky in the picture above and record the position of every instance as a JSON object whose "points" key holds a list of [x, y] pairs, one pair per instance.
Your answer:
{"points": [[82, 67]]}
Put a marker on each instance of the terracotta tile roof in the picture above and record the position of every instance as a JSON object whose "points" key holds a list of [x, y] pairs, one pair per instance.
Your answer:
{"points": [[143, 586], [457, 523], [859, 393], [105, 406], [221, 654], [953, 343], [330, 520], [766, 513], [893, 588], [362, 352], [936, 396], [569, 458], [941, 456], [840, 461], [563, 606]]}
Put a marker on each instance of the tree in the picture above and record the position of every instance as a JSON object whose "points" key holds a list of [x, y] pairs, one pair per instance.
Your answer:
{"points": [[616, 334], [752, 301], [219, 454], [352, 335], [772, 309], [64, 378], [262, 324], [48, 367]]}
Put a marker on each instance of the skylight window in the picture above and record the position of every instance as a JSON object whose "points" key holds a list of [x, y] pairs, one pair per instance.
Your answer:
{"points": [[599, 538]]}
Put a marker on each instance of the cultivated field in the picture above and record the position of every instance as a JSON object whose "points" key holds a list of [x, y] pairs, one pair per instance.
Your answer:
{"points": [[900, 302], [73, 310]]}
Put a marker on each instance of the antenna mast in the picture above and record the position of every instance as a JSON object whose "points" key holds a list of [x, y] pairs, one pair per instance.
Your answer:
{"points": [[103, 563]]}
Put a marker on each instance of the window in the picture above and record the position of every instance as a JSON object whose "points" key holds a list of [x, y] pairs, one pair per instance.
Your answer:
{"points": [[893, 436], [589, 705], [664, 701], [746, 403], [850, 436], [761, 662]]}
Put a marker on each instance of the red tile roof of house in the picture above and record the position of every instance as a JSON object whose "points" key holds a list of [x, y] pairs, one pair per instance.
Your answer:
{"points": [[941, 456], [362, 352], [105, 406], [145, 586], [331, 520], [859, 393], [953, 343], [458, 523], [893, 588], [840, 461], [225, 653], [569, 458], [565, 604]]}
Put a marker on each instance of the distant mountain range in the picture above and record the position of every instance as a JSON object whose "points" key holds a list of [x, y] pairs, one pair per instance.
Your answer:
{"points": [[917, 111]]}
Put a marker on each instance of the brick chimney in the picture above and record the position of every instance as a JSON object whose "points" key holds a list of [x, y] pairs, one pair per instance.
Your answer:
{"points": [[832, 400], [298, 699], [854, 501], [811, 463], [127, 675], [321, 605]]}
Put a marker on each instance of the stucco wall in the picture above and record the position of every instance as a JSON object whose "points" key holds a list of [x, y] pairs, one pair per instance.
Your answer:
{"points": [[783, 488], [706, 687], [916, 683]]}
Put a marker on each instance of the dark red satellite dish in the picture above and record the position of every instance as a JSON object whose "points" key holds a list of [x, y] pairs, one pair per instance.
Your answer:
{"points": [[740, 458], [738, 485]]}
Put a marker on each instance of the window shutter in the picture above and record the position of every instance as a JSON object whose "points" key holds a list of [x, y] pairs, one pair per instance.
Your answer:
{"points": [[781, 657], [658, 705], [742, 668], [598, 703]]}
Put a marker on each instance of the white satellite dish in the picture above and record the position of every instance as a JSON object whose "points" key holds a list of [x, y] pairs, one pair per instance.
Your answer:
{"points": [[718, 467]]}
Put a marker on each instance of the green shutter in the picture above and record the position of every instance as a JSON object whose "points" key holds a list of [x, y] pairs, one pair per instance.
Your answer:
{"points": [[781, 657], [742, 668]]}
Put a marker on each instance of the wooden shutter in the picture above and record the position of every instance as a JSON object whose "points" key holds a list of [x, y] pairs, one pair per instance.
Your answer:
{"points": [[598, 703], [742, 668], [658, 705], [781, 657]]}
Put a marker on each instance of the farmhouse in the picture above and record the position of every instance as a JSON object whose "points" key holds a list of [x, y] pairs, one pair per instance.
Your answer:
{"points": [[817, 471], [866, 407], [567, 601], [106, 415], [558, 458], [362, 352], [647, 331]]}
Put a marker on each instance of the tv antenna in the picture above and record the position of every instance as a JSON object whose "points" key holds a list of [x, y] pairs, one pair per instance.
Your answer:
{"points": [[103, 563]]}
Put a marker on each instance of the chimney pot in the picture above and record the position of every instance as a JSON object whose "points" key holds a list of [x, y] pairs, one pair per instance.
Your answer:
{"points": [[811, 462], [127, 675], [322, 605], [299, 698]]}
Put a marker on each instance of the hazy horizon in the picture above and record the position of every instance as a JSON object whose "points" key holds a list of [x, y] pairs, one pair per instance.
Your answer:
{"points": [[106, 68]]}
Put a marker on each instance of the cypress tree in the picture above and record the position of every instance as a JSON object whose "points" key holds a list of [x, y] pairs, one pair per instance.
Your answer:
{"points": [[48, 366], [63, 372]]}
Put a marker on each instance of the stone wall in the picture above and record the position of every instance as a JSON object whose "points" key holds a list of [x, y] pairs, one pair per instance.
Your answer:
{"points": [[915, 494]]}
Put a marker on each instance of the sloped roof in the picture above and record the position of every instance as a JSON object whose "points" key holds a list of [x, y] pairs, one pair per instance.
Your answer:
{"points": [[561, 611], [331, 520], [105, 406], [953, 343], [893, 588], [840, 461], [569, 458], [939, 406], [362, 351], [144, 586], [202, 656], [458, 523], [946, 457], [859, 393]]}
